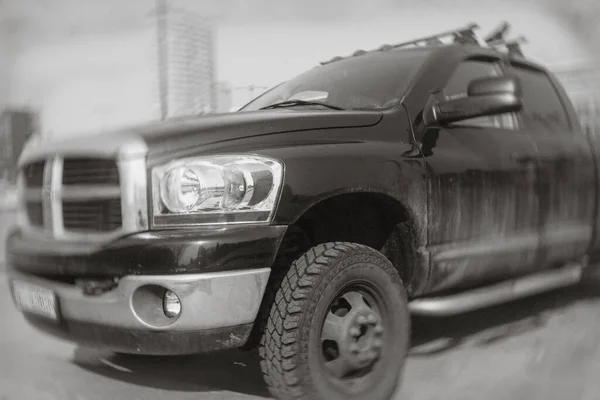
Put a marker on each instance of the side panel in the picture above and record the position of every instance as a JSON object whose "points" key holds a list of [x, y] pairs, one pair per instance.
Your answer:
{"points": [[567, 169], [483, 222]]}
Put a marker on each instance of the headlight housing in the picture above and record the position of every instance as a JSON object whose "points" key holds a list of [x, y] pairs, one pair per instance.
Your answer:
{"points": [[216, 190]]}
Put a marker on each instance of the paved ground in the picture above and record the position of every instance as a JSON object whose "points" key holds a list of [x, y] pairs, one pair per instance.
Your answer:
{"points": [[546, 347], [542, 348]]}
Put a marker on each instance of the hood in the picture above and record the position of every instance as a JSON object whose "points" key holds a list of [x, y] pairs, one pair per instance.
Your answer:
{"points": [[195, 131], [198, 131]]}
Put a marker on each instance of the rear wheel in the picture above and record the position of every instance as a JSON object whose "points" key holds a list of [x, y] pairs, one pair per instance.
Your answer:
{"points": [[339, 327]]}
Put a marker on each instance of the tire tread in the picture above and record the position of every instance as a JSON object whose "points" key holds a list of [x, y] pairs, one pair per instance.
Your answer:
{"points": [[278, 347]]}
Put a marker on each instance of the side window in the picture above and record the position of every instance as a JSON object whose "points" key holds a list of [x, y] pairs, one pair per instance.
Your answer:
{"points": [[543, 111], [457, 87]]}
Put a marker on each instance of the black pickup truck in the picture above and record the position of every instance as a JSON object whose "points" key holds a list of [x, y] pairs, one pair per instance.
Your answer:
{"points": [[427, 178]]}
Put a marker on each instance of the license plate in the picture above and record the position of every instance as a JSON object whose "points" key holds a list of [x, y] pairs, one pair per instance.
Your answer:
{"points": [[35, 299]]}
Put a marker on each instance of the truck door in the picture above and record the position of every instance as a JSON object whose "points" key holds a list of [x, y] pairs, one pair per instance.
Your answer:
{"points": [[566, 168], [483, 204]]}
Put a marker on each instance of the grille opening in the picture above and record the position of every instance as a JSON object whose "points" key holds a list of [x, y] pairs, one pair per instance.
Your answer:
{"points": [[34, 174], [35, 213], [90, 171], [92, 215]]}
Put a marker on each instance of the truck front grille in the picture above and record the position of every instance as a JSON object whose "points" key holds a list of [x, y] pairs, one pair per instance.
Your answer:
{"points": [[93, 215], [90, 171], [73, 195]]}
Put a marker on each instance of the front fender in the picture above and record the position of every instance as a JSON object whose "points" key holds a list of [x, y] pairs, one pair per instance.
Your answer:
{"points": [[318, 172]]}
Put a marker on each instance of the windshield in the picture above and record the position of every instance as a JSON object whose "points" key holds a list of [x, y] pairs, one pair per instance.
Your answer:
{"points": [[373, 81]]}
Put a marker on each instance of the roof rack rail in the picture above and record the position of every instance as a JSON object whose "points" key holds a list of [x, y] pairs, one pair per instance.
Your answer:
{"points": [[463, 35], [466, 33]]}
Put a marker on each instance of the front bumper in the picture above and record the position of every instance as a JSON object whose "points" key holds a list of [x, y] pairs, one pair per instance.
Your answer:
{"points": [[177, 251], [218, 310]]}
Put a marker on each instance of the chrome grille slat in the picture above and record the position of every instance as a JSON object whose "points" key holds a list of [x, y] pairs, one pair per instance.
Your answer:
{"points": [[89, 192], [90, 171], [53, 199]]}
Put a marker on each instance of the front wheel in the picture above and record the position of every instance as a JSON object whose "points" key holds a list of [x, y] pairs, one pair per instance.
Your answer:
{"points": [[339, 327]]}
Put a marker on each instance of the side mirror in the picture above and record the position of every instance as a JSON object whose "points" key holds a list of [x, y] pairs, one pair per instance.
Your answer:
{"points": [[485, 96]]}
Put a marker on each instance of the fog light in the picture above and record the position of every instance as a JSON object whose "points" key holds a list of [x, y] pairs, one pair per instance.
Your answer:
{"points": [[171, 304]]}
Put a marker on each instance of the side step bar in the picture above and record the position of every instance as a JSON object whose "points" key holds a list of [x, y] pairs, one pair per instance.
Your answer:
{"points": [[499, 293]]}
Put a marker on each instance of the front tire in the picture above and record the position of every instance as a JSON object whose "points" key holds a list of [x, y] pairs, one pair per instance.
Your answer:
{"points": [[339, 327]]}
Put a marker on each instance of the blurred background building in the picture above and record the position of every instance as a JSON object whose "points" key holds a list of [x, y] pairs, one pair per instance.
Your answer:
{"points": [[186, 59]]}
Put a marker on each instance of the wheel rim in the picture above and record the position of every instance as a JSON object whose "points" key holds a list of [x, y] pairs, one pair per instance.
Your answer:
{"points": [[353, 336]]}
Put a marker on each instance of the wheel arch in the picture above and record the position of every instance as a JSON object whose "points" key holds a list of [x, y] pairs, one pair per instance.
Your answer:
{"points": [[365, 216]]}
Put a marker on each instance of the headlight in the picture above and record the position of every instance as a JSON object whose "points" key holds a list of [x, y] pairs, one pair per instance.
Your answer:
{"points": [[217, 189]]}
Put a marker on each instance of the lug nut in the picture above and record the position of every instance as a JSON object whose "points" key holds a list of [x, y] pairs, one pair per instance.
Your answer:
{"points": [[378, 329], [377, 343], [354, 348], [371, 319], [361, 320], [354, 332]]}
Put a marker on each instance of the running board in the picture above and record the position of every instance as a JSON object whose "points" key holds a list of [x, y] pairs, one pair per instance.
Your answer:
{"points": [[499, 293]]}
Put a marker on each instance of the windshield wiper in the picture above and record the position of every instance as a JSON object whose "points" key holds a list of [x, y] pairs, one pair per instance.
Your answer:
{"points": [[290, 103]]}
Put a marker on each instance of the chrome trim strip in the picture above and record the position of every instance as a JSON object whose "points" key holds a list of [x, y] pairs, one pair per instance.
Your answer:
{"points": [[209, 301], [58, 228], [134, 199], [47, 196], [90, 192]]}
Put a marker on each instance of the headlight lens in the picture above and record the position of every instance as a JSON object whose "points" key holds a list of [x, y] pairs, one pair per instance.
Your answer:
{"points": [[217, 189]]}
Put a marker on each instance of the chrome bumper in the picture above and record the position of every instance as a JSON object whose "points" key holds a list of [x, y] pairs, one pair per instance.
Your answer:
{"points": [[209, 301]]}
